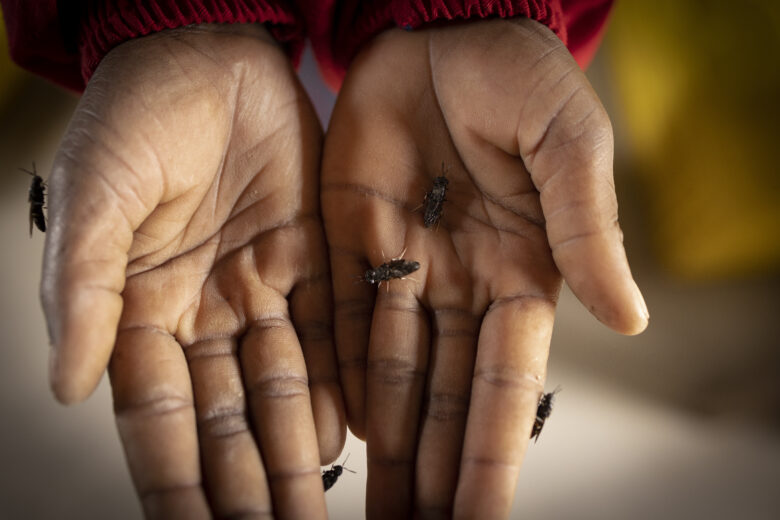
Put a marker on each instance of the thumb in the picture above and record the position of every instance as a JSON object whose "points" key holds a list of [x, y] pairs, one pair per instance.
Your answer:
{"points": [[520, 90], [93, 209], [571, 166]]}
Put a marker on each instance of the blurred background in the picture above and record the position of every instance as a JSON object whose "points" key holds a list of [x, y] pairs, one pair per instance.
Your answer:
{"points": [[680, 422]]}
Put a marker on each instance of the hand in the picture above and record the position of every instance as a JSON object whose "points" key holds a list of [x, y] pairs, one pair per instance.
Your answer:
{"points": [[442, 374], [186, 246]]}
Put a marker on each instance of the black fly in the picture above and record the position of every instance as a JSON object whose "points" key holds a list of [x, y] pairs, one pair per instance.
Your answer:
{"points": [[395, 268], [330, 476], [543, 411], [36, 196], [434, 200]]}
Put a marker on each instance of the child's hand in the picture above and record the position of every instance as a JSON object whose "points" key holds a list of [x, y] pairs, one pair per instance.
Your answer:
{"points": [[183, 211], [442, 374]]}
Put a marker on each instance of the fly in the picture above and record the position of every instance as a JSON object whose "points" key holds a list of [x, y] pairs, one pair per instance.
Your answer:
{"points": [[395, 268], [36, 196], [543, 411], [433, 203], [330, 476]]}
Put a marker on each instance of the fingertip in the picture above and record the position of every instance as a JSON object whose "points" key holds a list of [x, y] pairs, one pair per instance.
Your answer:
{"points": [[66, 390], [640, 312], [628, 326], [636, 329], [331, 446], [641, 316], [68, 396], [596, 269], [330, 423], [358, 428], [355, 403], [629, 316], [76, 365]]}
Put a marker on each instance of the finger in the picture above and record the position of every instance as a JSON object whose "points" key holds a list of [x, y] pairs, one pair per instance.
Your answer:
{"points": [[233, 472], [156, 422], [444, 410], [572, 169], [311, 310], [508, 378], [83, 276], [280, 402], [397, 364], [353, 309]]}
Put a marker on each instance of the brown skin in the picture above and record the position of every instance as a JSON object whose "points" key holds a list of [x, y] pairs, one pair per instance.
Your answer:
{"points": [[186, 248], [442, 374]]}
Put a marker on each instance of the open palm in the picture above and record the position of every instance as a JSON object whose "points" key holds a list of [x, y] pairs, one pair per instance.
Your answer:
{"points": [[186, 247], [442, 372]]}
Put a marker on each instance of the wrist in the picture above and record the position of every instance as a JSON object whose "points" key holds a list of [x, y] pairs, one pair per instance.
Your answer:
{"points": [[219, 54]]}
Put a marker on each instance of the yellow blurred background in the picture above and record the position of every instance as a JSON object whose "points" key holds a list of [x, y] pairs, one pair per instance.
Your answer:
{"points": [[698, 86], [680, 422]]}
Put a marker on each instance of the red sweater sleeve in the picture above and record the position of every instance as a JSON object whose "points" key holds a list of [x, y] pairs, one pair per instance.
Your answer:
{"points": [[65, 40], [585, 22], [339, 29]]}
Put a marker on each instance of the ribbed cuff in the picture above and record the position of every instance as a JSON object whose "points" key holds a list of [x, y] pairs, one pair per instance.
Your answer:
{"points": [[419, 12], [104, 25], [371, 18]]}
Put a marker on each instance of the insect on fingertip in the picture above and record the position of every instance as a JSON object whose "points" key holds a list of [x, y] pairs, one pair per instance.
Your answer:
{"points": [[330, 476]]}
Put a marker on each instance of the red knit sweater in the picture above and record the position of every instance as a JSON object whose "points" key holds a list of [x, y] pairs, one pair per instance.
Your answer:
{"points": [[64, 40]]}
